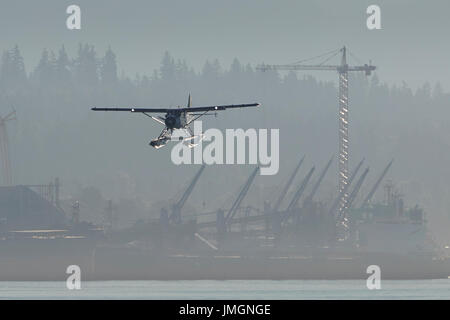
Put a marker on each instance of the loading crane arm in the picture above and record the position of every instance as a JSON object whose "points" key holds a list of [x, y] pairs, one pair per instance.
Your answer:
{"points": [[231, 213], [354, 193], [376, 185], [319, 181], [298, 194], [287, 186], [176, 212]]}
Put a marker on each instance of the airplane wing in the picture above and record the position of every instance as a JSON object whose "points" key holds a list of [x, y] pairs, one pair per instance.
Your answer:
{"points": [[223, 107], [190, 109], [134, 110]]}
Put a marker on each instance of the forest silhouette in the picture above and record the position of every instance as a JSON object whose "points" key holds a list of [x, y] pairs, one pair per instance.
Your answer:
{"points": [[106, 156]]}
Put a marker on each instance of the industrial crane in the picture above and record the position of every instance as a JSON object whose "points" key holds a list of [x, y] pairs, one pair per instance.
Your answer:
{"points": [[319, 181], [376, 185], [232, 212], [298, 194], [343, 69], [4, 148], [287, 186], [176, 209]]}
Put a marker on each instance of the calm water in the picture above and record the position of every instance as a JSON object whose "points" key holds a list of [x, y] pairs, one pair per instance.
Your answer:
{"points": [[295, 289]]}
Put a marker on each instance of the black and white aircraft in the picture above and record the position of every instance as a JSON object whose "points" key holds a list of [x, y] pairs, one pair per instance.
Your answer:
{"points": [[177, 118]]}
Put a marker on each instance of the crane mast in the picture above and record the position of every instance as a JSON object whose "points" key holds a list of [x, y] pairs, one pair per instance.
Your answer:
{"points": [[343, 128]]}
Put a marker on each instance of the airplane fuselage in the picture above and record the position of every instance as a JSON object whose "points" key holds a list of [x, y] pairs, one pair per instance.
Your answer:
{"points": [[176, 119]]}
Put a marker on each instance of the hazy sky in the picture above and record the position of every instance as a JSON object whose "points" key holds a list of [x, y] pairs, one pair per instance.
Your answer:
{"points": [[412, 45]]}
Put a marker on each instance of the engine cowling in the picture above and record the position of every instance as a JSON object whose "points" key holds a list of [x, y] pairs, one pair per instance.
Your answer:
{"points": [[170, 122]]}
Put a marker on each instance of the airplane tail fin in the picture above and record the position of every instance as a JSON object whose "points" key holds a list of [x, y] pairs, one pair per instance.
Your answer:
{"points": [[189, 101]]}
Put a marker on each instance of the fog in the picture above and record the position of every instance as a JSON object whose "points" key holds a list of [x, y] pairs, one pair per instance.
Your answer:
{"points": [[154, 53]]}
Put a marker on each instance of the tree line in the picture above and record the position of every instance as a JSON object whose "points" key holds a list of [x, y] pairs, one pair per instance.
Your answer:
{"points": [[57, 133]]}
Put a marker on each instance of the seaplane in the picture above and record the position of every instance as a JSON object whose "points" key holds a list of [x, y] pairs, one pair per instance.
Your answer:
{"points": [[178, 119]]}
